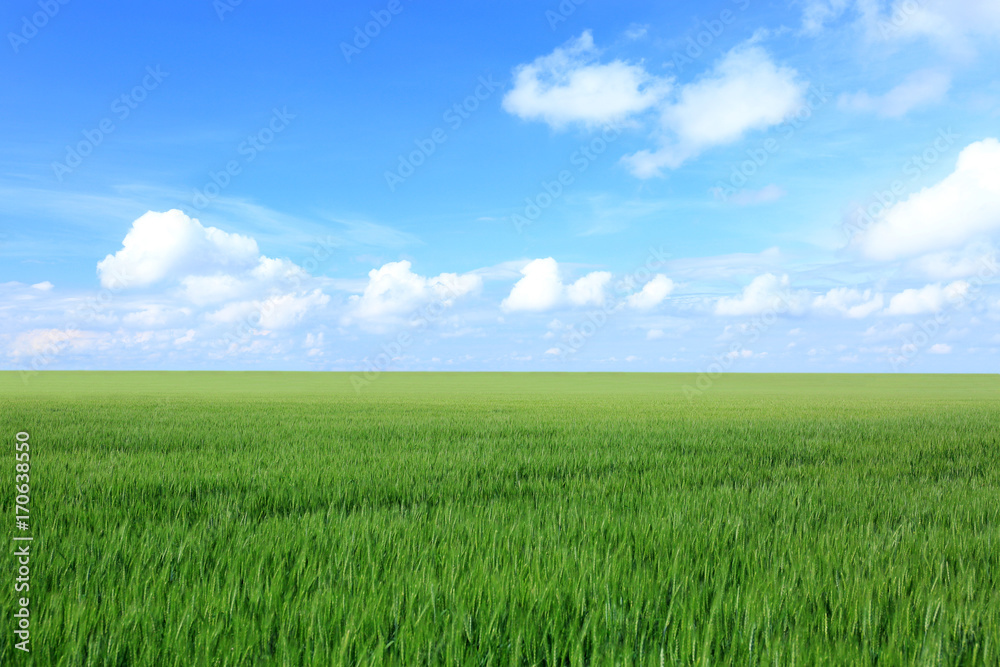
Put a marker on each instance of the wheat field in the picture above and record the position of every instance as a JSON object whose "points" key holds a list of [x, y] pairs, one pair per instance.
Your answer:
{"points": [[509, 519]]}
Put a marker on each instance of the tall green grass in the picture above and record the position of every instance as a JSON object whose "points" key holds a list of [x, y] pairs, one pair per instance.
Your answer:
{"points": [[508, 519]]}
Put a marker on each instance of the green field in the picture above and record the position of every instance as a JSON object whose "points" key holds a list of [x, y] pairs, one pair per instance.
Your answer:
{"points": [[507, 519]]}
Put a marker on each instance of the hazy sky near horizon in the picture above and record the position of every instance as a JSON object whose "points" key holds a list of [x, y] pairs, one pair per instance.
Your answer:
{"points": [[811, 185]]}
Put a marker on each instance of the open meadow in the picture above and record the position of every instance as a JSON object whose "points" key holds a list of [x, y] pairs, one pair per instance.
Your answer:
{"points": [[508, 519]]}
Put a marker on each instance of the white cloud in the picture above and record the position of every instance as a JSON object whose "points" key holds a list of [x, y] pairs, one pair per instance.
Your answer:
{"points": [[654, 334], [928, 299], [975, 259], [172, 245], [206, 267], [590, 289], [950, 24], [939, 348], [393, 290], [313, 344], [745, 91], [636, 31], [46, 344], [764, 293], [277, 270], [849, 302], [186, 338], [277, 312], [816, 13], [964, 205], [570, 86], [44, 286], [920, 88], [652, 294], [205, 290], [542, 289], [155, 316], [267, 276]]}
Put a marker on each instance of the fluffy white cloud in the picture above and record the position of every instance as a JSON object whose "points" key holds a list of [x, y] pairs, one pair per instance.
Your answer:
{"points": [[652, 293], [964, 205], [920, 88], [928, 299], [745, 91], [172, 245], [764, 293], [542, 289], [394, 290], [277, 270], [849, 302], [569, 86], [939, 348], [206, 267], [590, 289]]}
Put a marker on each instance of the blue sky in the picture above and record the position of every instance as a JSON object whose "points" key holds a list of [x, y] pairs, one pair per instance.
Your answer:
{"points": [[585, 185]]}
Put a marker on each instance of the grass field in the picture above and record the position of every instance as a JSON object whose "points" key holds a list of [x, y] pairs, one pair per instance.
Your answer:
{"points": [[508, 519]]}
